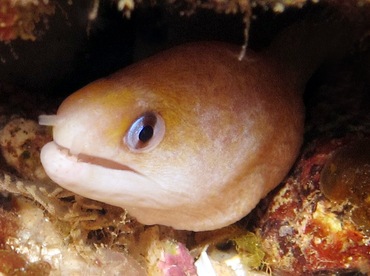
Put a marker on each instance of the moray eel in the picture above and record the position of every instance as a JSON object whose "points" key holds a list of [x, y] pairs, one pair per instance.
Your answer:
{"points": [[190, 138]]}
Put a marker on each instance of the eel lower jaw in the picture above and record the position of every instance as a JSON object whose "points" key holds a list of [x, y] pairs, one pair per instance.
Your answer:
{"points": [[99, 179]]}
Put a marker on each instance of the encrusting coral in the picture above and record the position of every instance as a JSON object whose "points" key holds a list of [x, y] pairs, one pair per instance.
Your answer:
{"points": [[21, 18], [18, 19]]}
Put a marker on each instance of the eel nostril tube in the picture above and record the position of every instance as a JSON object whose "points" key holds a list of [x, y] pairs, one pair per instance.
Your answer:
{"points": [[48, 120]]}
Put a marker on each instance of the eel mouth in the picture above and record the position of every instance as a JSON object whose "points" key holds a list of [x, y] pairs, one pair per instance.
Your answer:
{"points": [[95, 160], [99, 178]]}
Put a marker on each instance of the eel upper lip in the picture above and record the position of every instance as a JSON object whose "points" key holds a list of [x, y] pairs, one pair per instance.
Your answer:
{"points": [[99, 161]]}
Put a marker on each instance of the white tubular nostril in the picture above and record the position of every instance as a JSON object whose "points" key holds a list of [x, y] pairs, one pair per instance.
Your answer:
{"points": [[48, 120]]}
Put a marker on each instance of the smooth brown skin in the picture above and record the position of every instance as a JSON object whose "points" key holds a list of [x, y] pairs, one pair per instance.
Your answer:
{"points": [[233, 130]]}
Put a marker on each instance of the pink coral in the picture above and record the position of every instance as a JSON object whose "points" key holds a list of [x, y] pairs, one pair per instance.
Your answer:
{"points": [[180, 263]]}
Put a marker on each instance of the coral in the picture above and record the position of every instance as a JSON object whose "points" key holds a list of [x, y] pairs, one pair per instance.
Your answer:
{"points": [[19, 18], [234, 6], [323, 205]]}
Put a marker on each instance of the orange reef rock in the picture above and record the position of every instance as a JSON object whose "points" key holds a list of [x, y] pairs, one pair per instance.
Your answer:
{"points": [[18, 18]]}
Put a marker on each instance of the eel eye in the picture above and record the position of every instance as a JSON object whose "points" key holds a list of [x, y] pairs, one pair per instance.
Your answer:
{"points": [[145, 133]]}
